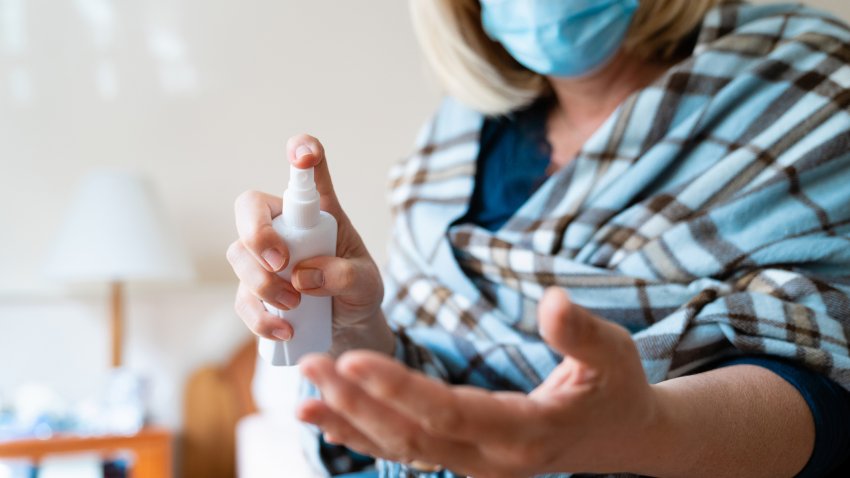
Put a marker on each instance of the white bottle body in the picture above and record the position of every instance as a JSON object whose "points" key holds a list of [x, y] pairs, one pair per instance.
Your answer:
{"points": [[312, 320]]}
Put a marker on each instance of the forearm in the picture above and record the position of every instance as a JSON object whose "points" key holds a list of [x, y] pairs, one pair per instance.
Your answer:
{"points": [[735, 421]]}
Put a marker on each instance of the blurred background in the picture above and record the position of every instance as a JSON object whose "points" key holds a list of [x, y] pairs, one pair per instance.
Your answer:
{"points": [[198, 97]]}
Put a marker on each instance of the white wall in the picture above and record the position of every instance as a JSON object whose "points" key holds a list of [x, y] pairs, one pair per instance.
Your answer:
{"points": [[201, 95]]}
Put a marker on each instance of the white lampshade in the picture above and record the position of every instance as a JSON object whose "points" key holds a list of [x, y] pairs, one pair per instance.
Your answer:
{"points": [[115, 230]]}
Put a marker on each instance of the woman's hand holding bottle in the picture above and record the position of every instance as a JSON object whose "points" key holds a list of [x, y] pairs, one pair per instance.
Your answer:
{"points": [[351, 278]]}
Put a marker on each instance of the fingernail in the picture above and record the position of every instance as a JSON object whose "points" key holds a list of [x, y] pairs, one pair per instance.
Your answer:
{"points": [[274, 259], [282, 334], [355, 373], [587, 374], [309, 278], [351, 366], [288, 299], [302, 151]]}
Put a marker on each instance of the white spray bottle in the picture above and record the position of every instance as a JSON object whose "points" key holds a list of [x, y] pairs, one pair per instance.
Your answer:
{"points": [[308, 232]]}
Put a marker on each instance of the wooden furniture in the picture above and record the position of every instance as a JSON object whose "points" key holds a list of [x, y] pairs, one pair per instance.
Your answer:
{"points": [[151, 450], [216, 397]]}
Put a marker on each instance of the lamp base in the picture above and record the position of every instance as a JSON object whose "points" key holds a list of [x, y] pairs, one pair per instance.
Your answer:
{"points": [[116, 321]]}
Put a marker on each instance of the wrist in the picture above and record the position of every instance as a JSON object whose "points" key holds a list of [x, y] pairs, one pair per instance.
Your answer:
{"points": [[632, 446], [659, 435], [668, 446], [372, 333]]}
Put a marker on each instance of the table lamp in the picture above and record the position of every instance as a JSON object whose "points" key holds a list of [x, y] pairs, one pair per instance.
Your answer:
{"points": [[115, 231]]}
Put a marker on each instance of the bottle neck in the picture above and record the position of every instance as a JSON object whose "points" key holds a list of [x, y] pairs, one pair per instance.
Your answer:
{"points": [[300, 212]]}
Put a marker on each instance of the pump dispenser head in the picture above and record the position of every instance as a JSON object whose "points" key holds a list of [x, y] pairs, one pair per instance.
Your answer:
{"points": [[301, 200]]}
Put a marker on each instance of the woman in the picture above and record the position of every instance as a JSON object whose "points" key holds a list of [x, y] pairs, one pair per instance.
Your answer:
{"points": [[622, 247]]}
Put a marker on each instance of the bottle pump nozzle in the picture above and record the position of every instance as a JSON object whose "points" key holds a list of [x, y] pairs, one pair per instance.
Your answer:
{"points": [[301, 200]]}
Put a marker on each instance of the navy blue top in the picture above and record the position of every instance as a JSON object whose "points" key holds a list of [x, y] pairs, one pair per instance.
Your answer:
{"points": [[512, 164]]}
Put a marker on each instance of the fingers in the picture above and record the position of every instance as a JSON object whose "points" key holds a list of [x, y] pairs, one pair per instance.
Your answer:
{"points": [[305, 151], [464, 413], [338, 277], [254, 213], [398, 437], [348, 400], [263, 284], [336, 429], [573, 331], [258, 319]]}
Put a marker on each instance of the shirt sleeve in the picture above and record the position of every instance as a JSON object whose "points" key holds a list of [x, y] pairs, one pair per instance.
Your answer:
{"points": [[830, 407]]}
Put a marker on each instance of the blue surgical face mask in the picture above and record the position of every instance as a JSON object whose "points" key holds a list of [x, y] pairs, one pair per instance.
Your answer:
{"points": [[559, 37]]}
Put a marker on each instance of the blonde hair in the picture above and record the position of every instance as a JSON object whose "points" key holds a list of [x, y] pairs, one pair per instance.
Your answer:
{"points": [[479, 71]]}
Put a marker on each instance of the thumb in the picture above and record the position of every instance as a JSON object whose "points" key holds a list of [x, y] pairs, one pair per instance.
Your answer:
{"points": [[305, 151], [356, 280], [573, 331]]}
